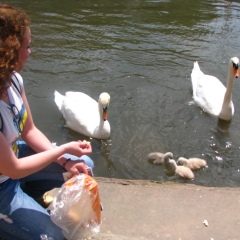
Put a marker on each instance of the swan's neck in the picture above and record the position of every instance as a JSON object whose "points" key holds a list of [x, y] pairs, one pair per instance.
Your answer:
{"points": [[228, 94], [100, 115], [227, 106]]}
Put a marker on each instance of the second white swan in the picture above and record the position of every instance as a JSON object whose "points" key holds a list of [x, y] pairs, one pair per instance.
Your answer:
{"points": [[211, 95]]}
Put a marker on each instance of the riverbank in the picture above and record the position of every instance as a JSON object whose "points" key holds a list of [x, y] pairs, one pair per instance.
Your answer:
{"points": [[149, 210]]}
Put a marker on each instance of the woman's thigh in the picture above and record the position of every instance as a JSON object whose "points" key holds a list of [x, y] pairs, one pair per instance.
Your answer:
{"points": [[23, 218]]}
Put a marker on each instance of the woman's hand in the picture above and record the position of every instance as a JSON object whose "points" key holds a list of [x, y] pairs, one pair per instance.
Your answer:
{"points": [[86, 146], [76, 167], [78, 148]]}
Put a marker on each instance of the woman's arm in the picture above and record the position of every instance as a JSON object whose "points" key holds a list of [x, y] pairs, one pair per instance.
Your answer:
{"points": [[15, 168]]}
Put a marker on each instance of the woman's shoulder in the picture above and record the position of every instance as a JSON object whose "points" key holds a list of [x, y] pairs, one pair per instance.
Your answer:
{"points": [[17, 77], [17, 81]]}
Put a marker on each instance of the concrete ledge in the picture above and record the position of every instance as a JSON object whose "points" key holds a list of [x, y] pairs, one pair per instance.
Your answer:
{"points": [[136, 209]]}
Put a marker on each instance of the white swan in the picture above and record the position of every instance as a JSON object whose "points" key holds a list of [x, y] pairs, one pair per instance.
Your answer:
{"points": [[83, 114], [211, 95]]}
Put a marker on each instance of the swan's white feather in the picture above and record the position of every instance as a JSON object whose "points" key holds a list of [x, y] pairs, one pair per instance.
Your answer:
{"points": [[83, 114]]}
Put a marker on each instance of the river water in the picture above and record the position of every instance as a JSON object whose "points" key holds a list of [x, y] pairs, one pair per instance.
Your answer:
{"points": [[141, 52]]}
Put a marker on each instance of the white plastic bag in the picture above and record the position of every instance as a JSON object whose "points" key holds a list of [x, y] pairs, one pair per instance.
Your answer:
{"points": [[76, 208]]}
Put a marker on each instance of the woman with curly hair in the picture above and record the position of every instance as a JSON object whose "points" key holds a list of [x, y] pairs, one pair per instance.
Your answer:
{"points": [[30, 166]]}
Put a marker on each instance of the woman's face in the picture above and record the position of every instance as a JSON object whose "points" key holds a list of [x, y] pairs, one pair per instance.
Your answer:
{"points": [[24, 50]]}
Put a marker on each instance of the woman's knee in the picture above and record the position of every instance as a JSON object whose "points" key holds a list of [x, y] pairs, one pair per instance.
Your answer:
{"points": [[87, 160]]}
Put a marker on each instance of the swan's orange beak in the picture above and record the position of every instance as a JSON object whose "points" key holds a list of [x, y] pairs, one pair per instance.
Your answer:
{"points": [[105, 113], [236, 72]]}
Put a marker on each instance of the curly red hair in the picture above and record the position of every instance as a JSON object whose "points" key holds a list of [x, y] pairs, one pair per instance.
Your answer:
{"points": [[13, 24]]}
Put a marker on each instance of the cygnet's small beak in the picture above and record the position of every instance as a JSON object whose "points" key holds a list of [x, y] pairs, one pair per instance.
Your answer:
{"points": [[105, 113]]}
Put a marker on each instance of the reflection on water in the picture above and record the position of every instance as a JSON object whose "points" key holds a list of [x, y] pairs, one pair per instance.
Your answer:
{"points": [[142, 53]]}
